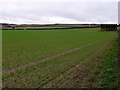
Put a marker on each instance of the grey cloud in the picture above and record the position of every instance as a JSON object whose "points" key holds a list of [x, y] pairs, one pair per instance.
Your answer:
{"points": [[28, 12]]}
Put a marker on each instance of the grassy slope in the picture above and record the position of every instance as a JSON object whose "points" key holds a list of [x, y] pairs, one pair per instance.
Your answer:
{"points": [[109, 71], [0, 58], [38, 74]]}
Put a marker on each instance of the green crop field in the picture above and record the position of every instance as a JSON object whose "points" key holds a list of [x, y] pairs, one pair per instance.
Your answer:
{"points": [[51, 58]]}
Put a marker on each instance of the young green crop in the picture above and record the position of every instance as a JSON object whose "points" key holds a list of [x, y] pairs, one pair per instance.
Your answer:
{"points": [[22, 47]]}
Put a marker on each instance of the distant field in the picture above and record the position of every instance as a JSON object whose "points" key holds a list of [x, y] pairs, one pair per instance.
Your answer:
{"points": [[27, 27], [22, 47], [45, 27], [30, 27], [118, 28]]}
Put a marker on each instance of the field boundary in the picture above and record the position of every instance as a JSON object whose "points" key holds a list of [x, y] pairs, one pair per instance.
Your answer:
{"points": [[45, 59]]}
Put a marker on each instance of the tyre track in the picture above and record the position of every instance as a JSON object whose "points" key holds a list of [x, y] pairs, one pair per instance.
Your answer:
{"points": [[72, 67], [45, 59]]}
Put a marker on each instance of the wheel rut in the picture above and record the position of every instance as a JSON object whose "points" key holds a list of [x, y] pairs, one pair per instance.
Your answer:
{"points": [[45, 59]]}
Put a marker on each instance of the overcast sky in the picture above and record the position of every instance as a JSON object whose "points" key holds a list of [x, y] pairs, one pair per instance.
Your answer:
{"points": [[59, 11]]}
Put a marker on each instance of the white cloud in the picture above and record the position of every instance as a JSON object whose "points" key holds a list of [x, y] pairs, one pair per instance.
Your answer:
{"points": [[56, 11]]}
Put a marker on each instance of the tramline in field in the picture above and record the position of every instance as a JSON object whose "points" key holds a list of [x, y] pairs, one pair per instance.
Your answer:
{"points": [[23, 52]]}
